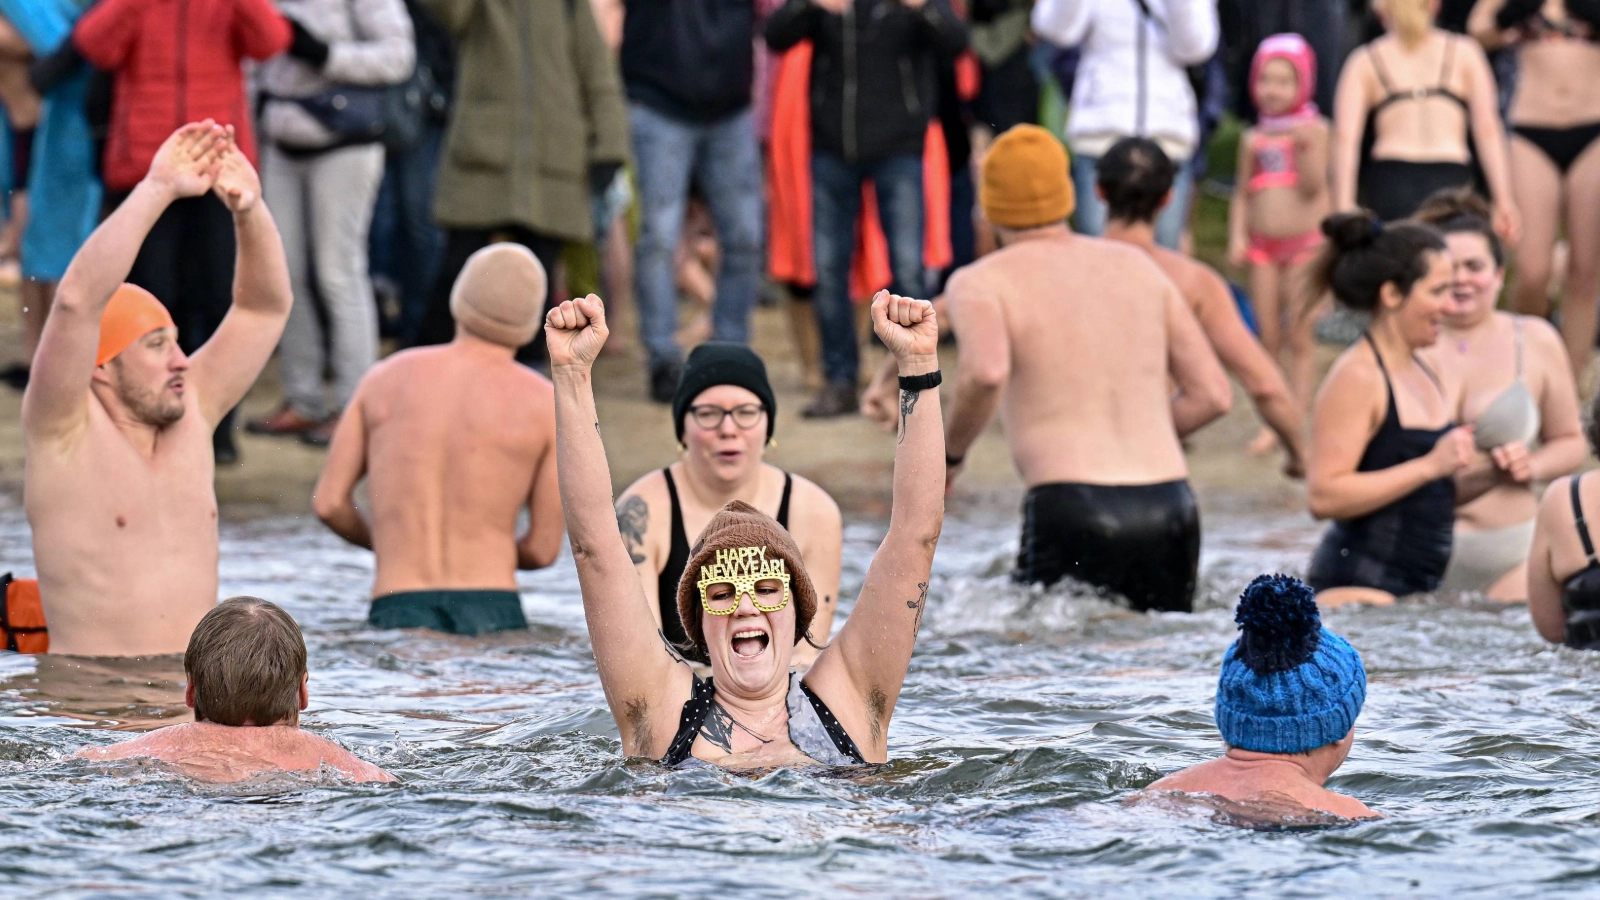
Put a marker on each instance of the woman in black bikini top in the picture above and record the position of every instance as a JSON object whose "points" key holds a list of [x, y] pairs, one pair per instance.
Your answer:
{"points": [[1563, 570], [1555, 163], [746, 598], [1414, 112]]}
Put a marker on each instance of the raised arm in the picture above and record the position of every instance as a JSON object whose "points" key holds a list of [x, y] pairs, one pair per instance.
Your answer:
{"points": [[983, 364], [56, 403], [223, 370], [333, 499], [860, 675], [637, 672], [1203, 393]]}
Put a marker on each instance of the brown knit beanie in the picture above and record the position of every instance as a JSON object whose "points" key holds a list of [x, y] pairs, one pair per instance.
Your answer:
{"points": [[499, 295], [741, 525], [1026, 182]]}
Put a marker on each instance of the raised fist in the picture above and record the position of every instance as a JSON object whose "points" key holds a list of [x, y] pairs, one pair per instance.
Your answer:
{"points": [[575, 331]]}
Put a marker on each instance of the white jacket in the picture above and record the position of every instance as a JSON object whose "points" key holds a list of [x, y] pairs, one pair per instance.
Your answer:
{"points": [[1120, 90]]}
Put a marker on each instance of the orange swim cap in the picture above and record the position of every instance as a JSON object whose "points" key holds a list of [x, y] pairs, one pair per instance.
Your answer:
{"points": [[132, 313]]}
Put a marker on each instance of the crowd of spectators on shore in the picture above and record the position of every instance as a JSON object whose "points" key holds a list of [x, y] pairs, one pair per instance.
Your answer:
{"points": [[716, 155]]}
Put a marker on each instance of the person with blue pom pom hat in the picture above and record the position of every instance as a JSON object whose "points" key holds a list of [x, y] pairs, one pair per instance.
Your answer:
{"points": [[1287, 703]]}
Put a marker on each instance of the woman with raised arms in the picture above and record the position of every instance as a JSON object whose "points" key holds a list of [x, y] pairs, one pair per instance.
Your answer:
{"points": [[746, 599]]}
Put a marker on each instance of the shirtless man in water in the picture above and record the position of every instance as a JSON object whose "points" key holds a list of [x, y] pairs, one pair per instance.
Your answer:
{"points": [[1135, 182], [454, 442], [117, 420], [246, 668], [1287, 702], [1078, 340]]}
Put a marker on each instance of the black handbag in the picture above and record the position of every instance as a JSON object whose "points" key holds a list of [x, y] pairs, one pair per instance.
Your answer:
{"points": [[391, 115]]}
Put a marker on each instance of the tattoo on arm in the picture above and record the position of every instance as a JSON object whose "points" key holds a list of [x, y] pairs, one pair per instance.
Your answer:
{"points": [[717, 729], [918, 605], [671, 650], [908, 405], [633, 519]]}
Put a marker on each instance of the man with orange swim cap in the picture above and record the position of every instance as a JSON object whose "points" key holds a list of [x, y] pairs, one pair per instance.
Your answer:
{"points": [[118, 420]]}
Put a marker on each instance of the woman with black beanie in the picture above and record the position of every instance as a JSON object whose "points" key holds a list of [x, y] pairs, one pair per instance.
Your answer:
{"points": [[725, 414]]}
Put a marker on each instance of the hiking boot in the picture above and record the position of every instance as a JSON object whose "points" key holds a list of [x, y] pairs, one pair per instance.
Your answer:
{"points": [[664, 381], [836, 398], [282, 423]]}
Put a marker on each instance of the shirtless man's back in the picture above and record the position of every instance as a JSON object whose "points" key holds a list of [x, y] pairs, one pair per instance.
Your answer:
{"points": [[245, 667], [1135, 181], [117, 420], [1089, 412], [454, 442]]}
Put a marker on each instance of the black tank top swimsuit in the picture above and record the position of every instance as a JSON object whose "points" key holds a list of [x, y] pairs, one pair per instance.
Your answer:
{"points": [[1404, 547], [1580, 593], [678, 559]]}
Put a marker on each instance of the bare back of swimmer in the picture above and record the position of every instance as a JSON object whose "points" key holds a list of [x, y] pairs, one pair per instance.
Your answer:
{"points": [[118, 421], [1077, 341], [246, 672]]}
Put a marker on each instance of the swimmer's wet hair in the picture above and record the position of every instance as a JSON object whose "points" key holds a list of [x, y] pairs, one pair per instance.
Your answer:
{"points": [[1135, 176], [245, 661], [1363, 254], [1279, 626], [1461, 211]]}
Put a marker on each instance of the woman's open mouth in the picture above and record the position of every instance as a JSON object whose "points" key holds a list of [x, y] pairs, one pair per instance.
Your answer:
{"points": [[749, 643]]}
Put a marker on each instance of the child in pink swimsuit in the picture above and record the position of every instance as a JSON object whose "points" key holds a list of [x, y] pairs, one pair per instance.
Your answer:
{"points": [[1279, 202]]}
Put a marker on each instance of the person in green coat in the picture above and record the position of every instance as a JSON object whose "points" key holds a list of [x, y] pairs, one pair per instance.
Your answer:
{"points": [[539, 124]]}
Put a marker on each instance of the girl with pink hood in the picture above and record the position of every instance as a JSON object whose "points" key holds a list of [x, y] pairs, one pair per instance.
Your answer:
{"points": [[1279, 201]]}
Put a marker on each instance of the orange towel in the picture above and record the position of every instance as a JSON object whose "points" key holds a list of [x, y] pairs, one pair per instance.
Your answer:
{"points": [[790, 255]]}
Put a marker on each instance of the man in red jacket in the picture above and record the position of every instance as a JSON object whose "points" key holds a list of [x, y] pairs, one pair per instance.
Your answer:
{"points": [[177, 61]]}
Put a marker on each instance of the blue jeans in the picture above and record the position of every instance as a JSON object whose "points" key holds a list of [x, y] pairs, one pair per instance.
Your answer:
{"points": [[836, 202], [1090, 217], [723, 160], [404, 244]]}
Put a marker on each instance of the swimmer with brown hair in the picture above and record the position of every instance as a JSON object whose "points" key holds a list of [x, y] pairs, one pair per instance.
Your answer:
{"points": [[246, 668]]}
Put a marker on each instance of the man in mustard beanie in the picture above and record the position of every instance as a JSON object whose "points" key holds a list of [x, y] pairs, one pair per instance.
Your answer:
{"points": [[1082, 339], [454, 441]]}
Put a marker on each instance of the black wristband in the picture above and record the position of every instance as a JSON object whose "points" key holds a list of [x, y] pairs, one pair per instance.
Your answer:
{"points": [[950, 462], [919, 383]]}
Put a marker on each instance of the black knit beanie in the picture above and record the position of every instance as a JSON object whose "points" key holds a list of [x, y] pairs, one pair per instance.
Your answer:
{"points": [[722, 362]]}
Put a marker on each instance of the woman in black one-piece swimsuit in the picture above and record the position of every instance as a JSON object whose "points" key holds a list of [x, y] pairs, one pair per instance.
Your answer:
{"points": [[1387, 484]]}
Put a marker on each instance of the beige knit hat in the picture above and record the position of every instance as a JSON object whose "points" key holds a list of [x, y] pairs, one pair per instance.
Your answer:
{"points": [[499, 295], [741, 525]]}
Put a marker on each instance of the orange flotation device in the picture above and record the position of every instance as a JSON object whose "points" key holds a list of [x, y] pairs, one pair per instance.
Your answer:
{"points": [[22, 616], [790, 254]]}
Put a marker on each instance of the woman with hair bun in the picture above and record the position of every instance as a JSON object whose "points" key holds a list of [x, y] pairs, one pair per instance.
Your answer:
{"points": [[1384, 451], [1409, 108], [1516, 389]]}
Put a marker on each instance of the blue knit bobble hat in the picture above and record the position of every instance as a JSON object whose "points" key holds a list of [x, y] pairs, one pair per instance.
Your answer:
{"points": [[1288, 685]]}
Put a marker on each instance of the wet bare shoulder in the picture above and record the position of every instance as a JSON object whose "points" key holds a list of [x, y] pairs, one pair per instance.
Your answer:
{"points": [[354, 767], [812, 504]]}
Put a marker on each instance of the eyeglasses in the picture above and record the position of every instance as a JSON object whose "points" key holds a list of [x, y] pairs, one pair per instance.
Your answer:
{"points": [[710, 418], [741, 571]]}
